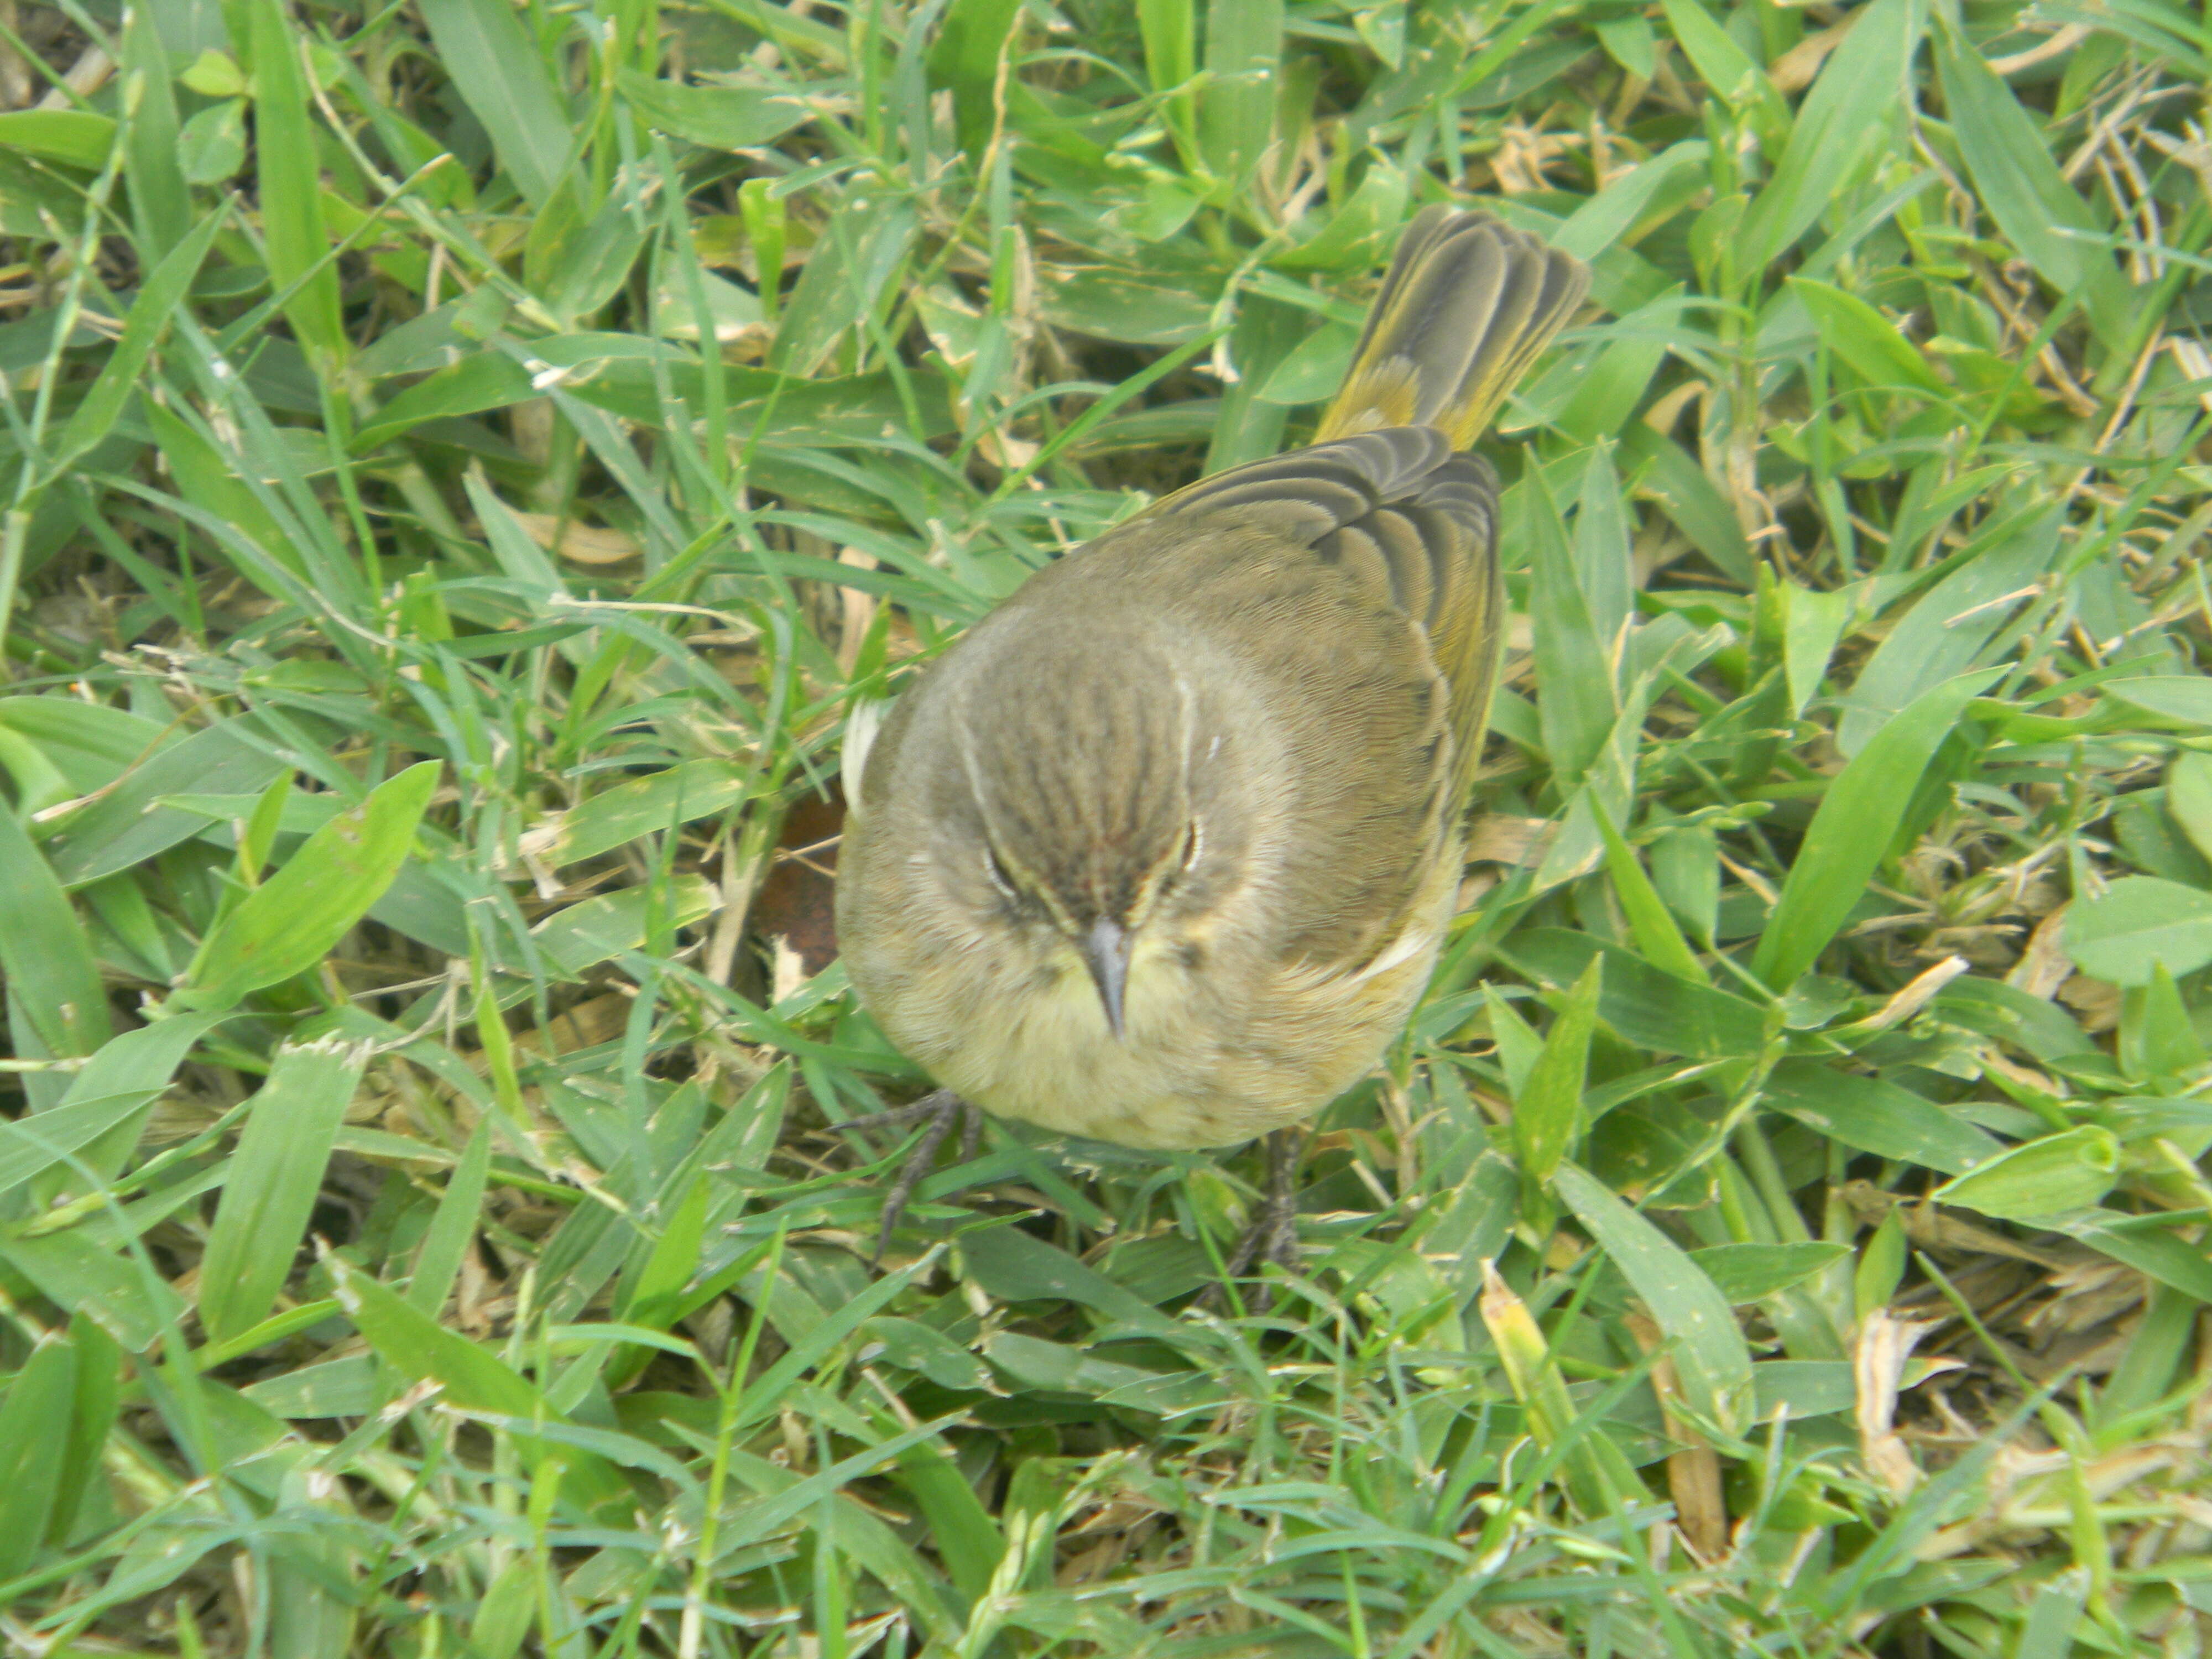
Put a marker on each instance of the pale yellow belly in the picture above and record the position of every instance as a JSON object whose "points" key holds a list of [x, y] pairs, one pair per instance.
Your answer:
{"points": [[1190, 1070]]}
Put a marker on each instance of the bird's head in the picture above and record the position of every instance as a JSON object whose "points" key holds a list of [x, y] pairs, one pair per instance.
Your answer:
{"points": [[1110, 811]]}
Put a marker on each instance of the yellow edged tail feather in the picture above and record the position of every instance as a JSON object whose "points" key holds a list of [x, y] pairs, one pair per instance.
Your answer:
{"points": [[1468, 303]]}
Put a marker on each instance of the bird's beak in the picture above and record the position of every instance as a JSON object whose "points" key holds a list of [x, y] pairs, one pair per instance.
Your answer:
{"points": [[1106, 953]]}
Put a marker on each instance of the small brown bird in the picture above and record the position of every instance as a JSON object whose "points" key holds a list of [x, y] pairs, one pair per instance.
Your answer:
{"points": [[1162, 852]]}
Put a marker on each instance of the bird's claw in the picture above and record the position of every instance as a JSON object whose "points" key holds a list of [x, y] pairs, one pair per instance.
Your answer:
{"points": [[936, 1112]]}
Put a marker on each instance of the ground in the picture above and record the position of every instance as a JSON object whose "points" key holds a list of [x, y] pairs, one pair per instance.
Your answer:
{"points": [[466, 464]]}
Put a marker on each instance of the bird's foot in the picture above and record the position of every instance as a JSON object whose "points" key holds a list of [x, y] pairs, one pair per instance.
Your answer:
{"points": [[1274, 1234], [937, 1111]]}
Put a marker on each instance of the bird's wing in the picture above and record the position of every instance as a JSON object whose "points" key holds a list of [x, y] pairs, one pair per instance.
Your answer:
{"points": [[1413, 523]]}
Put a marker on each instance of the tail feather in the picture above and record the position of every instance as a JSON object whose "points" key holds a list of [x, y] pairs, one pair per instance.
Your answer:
{"points": [[1468, 303]]}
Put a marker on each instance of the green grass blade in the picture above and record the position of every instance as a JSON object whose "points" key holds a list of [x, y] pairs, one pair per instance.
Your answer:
{"points": [[1855, 104], [44, 951], [970, 38], [274, 1177], [1656, 935], [160, 205], [1871, 1115], [35, 1438], [1574, 663], [104, 1102], [1548, 1113], [291, 202], [165, 286], [2036, 210], [496, 70], [1710, 1355], [1850, 833], [438, 1263], [2046, 1177], [1236, 110], [290, 922]]}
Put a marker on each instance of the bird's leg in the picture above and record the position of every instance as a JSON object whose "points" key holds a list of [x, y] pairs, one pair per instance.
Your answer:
{"points": [[938, 1111], [930, 1105], [1274, 1234]]}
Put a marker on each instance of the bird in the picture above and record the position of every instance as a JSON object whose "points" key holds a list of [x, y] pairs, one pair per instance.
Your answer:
{"points": [[1161, 852]]}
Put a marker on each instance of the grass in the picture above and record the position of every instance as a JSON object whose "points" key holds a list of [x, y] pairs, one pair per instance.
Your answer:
{"points": [[422, 1228]]}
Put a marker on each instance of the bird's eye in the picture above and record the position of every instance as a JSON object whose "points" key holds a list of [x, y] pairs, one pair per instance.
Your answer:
{"points": [[997, 873]]}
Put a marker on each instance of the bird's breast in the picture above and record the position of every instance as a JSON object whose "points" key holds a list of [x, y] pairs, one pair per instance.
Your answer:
{"points": [[1209, 1057]]}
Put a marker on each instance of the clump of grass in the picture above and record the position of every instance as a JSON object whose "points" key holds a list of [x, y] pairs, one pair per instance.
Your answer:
{"points": [[465, 464]]}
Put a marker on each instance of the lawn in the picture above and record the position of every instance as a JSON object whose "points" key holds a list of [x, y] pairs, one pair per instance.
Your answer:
{"points": [[465, 464]]}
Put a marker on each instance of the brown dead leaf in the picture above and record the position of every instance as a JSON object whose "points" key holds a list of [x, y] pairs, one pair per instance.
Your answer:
{"points": [[1523, 153], [599, 1020], [796, 901], [1502, 838], [1885, 1343], [2043, 966], [1794, 71], [1916, 996], [859, 610], [1931, 1227], [2098, 1003], [1694, 1473], [583, 544]]}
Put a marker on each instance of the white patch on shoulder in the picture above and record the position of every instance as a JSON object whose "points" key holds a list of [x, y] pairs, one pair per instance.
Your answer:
{"points": [[1408, 944], [861, 727]]}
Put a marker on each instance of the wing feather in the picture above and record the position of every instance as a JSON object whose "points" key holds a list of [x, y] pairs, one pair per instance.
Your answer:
{"points": [[1412, 521]]}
